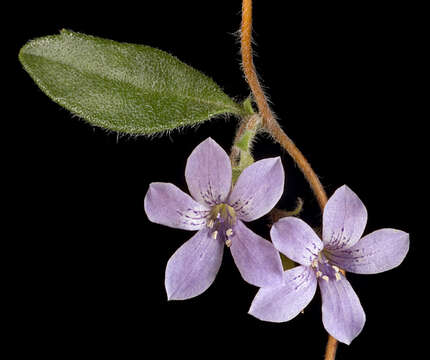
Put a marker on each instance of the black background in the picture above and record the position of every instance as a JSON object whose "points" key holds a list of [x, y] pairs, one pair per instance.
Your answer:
{"points": [[88, 267]]}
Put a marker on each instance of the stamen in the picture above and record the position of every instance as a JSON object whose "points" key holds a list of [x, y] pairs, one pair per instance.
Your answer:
{"points": [[319, 273], [335, 268], [221, 220], [314, 263], [337, 276], [325, 277], [228, 242]]}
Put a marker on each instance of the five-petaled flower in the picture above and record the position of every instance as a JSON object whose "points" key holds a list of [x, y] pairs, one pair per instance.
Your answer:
{"points": [[344, 220], [218, 211]]}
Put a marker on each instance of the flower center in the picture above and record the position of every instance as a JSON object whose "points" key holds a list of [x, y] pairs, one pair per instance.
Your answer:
{"points": [[324, 269], [221, 220]]}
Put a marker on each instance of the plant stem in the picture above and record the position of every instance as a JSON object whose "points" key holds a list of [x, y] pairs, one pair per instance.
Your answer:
{"points": [[248, 63], [268, 120], [271, 125], [331, 347], [279, 135]]}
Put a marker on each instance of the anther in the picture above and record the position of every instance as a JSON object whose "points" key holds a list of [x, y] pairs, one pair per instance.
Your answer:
{"points": [[229, 232], [335, 268], [325, 277], [211, 224], [228, 242], [337, 276], [214, 234], [314, 263], [319, 273]]}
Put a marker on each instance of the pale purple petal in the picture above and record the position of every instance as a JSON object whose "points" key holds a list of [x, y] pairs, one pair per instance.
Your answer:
{"points": [[258, 261], [296, 239], [168, 205], [342, 314], [193, 267], [284, 302], [258, 189], [379, 251], [208, 173], [344, 219]]}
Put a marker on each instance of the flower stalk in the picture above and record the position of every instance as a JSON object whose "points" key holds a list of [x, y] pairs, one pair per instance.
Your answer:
{"points": [[269, 122], [241, 156], [272, 127]]}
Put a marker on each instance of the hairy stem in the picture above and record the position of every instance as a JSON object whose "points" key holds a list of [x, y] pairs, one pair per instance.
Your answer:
{"points": [[271, 125], [248, 63], [331, 347], [279, 135], [268, 120]]}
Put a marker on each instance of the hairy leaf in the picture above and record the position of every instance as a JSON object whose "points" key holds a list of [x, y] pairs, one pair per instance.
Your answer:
{"points": [[123, 87]]}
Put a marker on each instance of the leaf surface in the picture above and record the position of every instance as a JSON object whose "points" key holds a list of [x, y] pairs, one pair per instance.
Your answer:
{"points": [[128, 88]]}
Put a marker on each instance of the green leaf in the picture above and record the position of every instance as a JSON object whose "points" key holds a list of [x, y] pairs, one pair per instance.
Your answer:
{"points": [[123, 87]]}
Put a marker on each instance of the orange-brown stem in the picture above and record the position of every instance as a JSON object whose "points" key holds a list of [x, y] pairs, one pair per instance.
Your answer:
{"points": [[268, 120], [279, 135], [272, 127], [248, 63]]}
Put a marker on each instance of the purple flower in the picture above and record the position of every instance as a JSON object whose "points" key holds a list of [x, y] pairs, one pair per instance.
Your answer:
{"points": [[217, 211], [344, 220]]}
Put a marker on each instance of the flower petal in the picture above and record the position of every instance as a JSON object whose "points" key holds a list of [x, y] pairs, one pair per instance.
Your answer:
{"points": [[258, 189], [344, 219], [208, 173], [342, 314], [284, 302], [193, 267], [256, 258], [379, 251], [166, 204], [296, 239]]}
